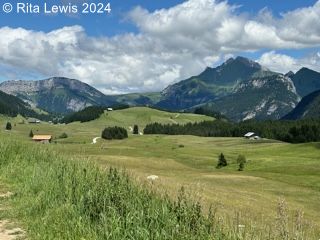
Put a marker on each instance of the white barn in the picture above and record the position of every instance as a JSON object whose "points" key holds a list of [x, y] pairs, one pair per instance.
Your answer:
{"points": [[251, 135]]}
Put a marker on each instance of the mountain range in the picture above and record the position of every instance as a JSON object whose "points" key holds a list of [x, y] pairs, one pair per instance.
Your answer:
{"points": [[240, 89]]}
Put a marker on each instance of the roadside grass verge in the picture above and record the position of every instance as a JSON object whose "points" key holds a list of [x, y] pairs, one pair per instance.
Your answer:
{"points": [[55, 198]]}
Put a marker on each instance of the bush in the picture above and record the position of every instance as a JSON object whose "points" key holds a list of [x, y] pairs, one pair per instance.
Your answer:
{"points": [[135, 129], [222, 161], [110, 133], [8, 126], [63, 135], [241, 166], [241, 160], [31, 134]]}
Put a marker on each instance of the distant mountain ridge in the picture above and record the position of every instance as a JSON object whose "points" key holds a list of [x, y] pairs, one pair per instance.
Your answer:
{"points": [[57, 94], [239, 88], [308, 107]]}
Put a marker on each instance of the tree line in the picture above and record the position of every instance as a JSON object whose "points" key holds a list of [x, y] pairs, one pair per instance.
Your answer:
{"points": [[85, 115], [90, 113], [289, 131]]}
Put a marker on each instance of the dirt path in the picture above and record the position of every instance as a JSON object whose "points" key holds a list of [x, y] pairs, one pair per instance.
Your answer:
{"points": [[7, 229], [7, 232]]}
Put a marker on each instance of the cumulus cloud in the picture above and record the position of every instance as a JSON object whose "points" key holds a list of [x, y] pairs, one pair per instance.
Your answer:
{"points": [[172, 44], [283, 63]]}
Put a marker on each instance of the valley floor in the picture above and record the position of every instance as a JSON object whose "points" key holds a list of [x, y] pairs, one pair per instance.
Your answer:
{"points": [[274, 170]]}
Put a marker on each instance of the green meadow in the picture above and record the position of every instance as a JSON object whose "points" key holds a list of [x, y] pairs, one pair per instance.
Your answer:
{"points": [[278, 177]]}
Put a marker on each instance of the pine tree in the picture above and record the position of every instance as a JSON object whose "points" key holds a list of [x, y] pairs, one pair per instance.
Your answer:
{"points": [[135, 129], [222, 161], [8, 126]]}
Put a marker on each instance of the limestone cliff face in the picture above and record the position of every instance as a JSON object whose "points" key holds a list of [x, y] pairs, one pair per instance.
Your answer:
{"points": [[265, 97]]}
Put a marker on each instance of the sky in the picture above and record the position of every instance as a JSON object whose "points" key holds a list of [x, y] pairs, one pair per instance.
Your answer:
{"points": [[144, 45]]}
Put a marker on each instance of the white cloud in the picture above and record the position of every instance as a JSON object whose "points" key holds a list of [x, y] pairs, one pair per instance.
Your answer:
{"points": [[173, 44], [278, 62], [283, 63]]}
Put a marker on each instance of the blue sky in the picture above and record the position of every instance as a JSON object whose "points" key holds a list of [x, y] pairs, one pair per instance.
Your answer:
{"points": [[148, 47], [115, 23]]}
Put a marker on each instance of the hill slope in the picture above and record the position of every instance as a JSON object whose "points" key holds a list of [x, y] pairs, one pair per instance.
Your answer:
{"points": [[308, 107], [141, 116], [138, 99], [56, 94], [12, 106], [84, 132]]}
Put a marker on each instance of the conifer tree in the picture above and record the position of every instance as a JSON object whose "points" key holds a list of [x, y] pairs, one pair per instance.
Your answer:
{"points": [[135, 129], [222, 161], [8, 126]]}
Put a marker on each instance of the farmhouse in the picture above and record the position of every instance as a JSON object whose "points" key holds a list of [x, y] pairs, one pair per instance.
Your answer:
{"points": [[42, 138], [33, 120], [251, 135]]}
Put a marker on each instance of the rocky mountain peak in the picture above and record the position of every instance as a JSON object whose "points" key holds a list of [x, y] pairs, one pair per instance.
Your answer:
{"points": [[56, 94], [289, 74]]}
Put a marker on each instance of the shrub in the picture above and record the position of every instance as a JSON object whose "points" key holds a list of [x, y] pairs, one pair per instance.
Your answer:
{"points": [[241, 160], [31, 134], [63, 135], [241, 166], [8, 126], [110, 133], [222, 161], [135, 129]]}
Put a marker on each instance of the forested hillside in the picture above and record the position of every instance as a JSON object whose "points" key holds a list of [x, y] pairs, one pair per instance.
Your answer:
{"points": [[288, 131]]}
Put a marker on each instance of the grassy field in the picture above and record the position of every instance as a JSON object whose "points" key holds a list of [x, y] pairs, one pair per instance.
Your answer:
{"points": [[275, 170]]}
